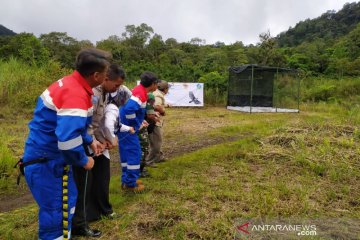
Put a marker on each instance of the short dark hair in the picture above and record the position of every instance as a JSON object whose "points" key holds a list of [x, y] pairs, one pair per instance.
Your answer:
{"points": [[92, 60], [115, 71], [148, 78], [163, 85]]}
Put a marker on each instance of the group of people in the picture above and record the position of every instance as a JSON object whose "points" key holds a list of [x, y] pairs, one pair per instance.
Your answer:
{"points": [[77, 120]]}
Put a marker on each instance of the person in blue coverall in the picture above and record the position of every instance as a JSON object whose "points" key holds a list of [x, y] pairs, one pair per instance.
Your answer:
{"points": [[57, 133], [132, 114]]}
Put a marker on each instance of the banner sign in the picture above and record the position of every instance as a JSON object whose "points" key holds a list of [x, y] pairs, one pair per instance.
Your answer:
{"points": [[185, 94]]}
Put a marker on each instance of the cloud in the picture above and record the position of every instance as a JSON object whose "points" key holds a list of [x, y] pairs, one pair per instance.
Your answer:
{"points": [[213, 20]]}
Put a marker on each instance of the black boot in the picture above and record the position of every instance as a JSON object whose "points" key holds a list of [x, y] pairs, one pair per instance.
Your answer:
{"points": [[144, 174], [86, 232]]}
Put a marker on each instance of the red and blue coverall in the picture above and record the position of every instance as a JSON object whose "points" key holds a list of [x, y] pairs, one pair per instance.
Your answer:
{"points": [[57, 133], [132, 114]]}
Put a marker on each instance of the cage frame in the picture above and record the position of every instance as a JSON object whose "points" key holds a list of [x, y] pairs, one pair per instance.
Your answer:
{"points": [[275, 79]]}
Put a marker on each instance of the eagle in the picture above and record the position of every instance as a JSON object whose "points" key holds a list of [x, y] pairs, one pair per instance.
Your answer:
{"points": [[193, 98]]}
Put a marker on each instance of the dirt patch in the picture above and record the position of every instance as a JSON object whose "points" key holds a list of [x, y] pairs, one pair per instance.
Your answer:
{"points": [[11, 202], [172, 149]]}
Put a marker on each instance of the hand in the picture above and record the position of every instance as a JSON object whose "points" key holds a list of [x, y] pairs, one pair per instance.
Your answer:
{"points": [[151, 118], [145, 123], [160, 109], [97, 147], [132, 130], [109, 145], [90, 164]]}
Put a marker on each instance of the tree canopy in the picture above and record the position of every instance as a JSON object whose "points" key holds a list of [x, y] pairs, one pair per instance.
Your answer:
{"points": [[329, 44]]}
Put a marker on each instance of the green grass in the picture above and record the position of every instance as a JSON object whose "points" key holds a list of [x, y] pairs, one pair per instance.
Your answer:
{"points": [[225, 165], [21, 84], [262, 166]]}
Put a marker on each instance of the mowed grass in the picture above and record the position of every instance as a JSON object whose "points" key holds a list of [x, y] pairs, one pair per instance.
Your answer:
{"points": [[255, 166]]}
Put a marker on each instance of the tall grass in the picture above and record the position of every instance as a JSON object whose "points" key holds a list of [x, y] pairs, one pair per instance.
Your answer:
{"points": [[327, 89], [7, 161], [13, 131], [21, 83]]}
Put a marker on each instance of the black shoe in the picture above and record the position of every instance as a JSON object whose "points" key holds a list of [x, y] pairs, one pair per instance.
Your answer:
{"points": [[86, 232], [112, 215], [161, 160], [152, 165], [144, 174]]}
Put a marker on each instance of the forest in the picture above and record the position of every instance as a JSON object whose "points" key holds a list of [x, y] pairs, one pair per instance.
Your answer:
{"points": [[325, 46]]}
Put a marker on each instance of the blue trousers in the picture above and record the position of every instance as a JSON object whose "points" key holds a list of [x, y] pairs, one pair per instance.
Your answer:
{"points": [[45, 183], [130, 154]]}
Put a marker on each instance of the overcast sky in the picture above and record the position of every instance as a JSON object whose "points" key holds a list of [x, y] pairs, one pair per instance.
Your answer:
{"points": [[213, 20]]}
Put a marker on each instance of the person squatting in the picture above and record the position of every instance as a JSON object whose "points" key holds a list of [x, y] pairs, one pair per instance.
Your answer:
{"points": [[66, 158]]}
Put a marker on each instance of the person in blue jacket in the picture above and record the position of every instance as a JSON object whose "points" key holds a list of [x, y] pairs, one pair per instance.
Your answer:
{"points": [[133, 114], [57, 133]]}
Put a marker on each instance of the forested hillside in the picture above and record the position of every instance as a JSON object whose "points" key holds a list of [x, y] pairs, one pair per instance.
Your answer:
{"points": [[328, 45], [328, 26]]}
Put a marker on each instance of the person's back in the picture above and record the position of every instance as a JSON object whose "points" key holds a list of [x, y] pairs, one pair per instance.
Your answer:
{"points": [[64, 100]]}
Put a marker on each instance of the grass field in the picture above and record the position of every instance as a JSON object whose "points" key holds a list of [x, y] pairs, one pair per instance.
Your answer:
{"points": [[227, 167]]}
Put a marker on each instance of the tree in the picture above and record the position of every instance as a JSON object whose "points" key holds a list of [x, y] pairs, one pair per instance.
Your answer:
{"points": [[27, 47], [236, 54], [156, 46], [197, 41], [216, 83], [62, 47], [116, 46], [171, 43], [135, 38], [267, 52]]}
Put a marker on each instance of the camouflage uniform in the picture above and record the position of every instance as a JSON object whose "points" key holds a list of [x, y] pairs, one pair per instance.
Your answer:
{"points": [[144, 136], [144, 143]]}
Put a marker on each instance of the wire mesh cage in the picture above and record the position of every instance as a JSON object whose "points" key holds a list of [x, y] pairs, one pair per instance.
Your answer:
{"points": [[254, 88]]}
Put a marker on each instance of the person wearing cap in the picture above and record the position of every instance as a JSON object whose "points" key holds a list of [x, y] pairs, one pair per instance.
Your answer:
{"points": [[97, 183], [133, 114], [156, 135]]}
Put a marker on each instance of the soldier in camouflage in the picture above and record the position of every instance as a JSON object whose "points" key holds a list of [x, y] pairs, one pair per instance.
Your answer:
{"points": [[151, 118]]}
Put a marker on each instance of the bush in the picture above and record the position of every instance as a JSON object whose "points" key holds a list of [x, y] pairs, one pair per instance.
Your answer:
{"points": [[324, 89], [321, 93], [21, 84], [215, 87]]}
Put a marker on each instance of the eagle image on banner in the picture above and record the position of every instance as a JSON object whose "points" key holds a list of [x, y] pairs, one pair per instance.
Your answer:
{"points": [[185, 94]]}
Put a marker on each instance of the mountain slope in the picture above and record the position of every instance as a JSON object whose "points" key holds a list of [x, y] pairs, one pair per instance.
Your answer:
{"points": [[5, 31], [328, 26]]}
